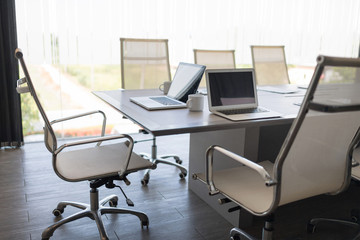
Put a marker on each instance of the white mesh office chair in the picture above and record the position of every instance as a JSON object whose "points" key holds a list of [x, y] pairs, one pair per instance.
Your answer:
{"points": [[145, 64], [315, 157], [270, 65], [76, 161], [214, 59]]}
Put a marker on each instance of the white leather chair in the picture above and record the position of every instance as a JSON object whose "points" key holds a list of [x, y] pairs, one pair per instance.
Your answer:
{"points": [[214, 59], [100, 160], [315, 157], [270, 65], [145, 64]]}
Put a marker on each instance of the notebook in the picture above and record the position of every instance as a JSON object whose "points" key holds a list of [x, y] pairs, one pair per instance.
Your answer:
{"points": [[186, 81], [232, 94]]}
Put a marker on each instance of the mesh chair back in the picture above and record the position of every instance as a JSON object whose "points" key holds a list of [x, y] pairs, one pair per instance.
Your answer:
{"points": [[316, 155], [270, 65], [49, 134], [214, 59], [144, 63]]}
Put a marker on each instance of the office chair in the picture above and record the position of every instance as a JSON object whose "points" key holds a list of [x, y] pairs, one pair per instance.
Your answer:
{"points": [[270, 65], [78, 161], [314, 159], [145, 64], [214, 59]]}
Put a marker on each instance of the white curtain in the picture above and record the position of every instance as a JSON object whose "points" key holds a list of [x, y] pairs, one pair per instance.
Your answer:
{"points": [[88, 31], [57, 34]]}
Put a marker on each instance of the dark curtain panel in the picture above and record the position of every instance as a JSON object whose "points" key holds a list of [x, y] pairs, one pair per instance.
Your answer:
{"points": [[10, 108]]}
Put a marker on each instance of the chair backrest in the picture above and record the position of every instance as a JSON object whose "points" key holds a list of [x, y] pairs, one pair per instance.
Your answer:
{"points": [[316, 155], [144, 63], [270, 65], [49, 134], [355, 170], [214, 59]]}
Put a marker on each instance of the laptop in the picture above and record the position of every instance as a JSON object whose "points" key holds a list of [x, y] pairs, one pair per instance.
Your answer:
{"points": [[232, 94], [186, 81]]}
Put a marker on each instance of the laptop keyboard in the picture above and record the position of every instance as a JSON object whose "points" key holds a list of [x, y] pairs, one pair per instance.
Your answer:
{"points": [[241, 111], [165, 101]]}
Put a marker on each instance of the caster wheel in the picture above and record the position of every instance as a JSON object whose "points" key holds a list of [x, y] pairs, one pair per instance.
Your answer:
{"points": [[235, 238], [45, 238], [144, 224], [144, 182], [178, 160], [182, 175], [113, 203], [57, 212], [310, 228]]}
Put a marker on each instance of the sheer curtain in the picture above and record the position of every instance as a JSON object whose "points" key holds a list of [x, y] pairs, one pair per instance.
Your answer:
{"points": [[89, 31], [65, 39], [10, 109]]}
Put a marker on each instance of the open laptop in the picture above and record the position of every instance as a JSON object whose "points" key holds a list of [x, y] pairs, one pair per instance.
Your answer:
{"points": [[186, 81], [232, 94]]}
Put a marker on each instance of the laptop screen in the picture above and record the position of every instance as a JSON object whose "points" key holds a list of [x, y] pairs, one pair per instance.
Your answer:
{"points": [[186, 81], [231, 88]]}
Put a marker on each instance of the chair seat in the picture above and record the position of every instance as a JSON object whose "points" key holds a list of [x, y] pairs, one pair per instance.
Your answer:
{"points": [[245, 186], [97, 162]]}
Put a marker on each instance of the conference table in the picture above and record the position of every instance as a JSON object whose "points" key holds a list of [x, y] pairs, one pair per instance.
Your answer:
{"points": [[257, 140]]}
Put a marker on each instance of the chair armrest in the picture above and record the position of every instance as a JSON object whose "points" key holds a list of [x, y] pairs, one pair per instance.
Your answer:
{"points": [[209, 167], [83, 115], [93, 140]]}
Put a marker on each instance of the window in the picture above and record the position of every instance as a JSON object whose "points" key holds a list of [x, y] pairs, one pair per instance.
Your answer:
{"points": [[73, 46]]}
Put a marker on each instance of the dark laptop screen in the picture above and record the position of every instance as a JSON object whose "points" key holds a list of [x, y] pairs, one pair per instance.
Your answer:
{"points": [[231, 88]]}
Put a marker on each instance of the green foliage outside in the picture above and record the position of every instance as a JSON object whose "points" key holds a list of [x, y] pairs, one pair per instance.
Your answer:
{"points": [[108, 77], [100, 77], [339, 75], [30, 113], [94, 77]]}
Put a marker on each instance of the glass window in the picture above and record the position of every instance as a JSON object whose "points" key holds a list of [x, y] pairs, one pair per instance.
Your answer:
{"points": [[72, 47]]}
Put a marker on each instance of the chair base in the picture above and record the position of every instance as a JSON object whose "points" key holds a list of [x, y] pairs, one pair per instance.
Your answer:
{"points": [[311, 227], [236, 234], [93, 211], [267, 231], [161, 159]]}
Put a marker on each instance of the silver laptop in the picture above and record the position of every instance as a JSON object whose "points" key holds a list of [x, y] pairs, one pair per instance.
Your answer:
{"points": [[232, 94], [186, 81]]}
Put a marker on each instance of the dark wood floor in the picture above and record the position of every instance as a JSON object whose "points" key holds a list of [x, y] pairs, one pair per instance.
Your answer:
{"points": [[30, 191]]}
